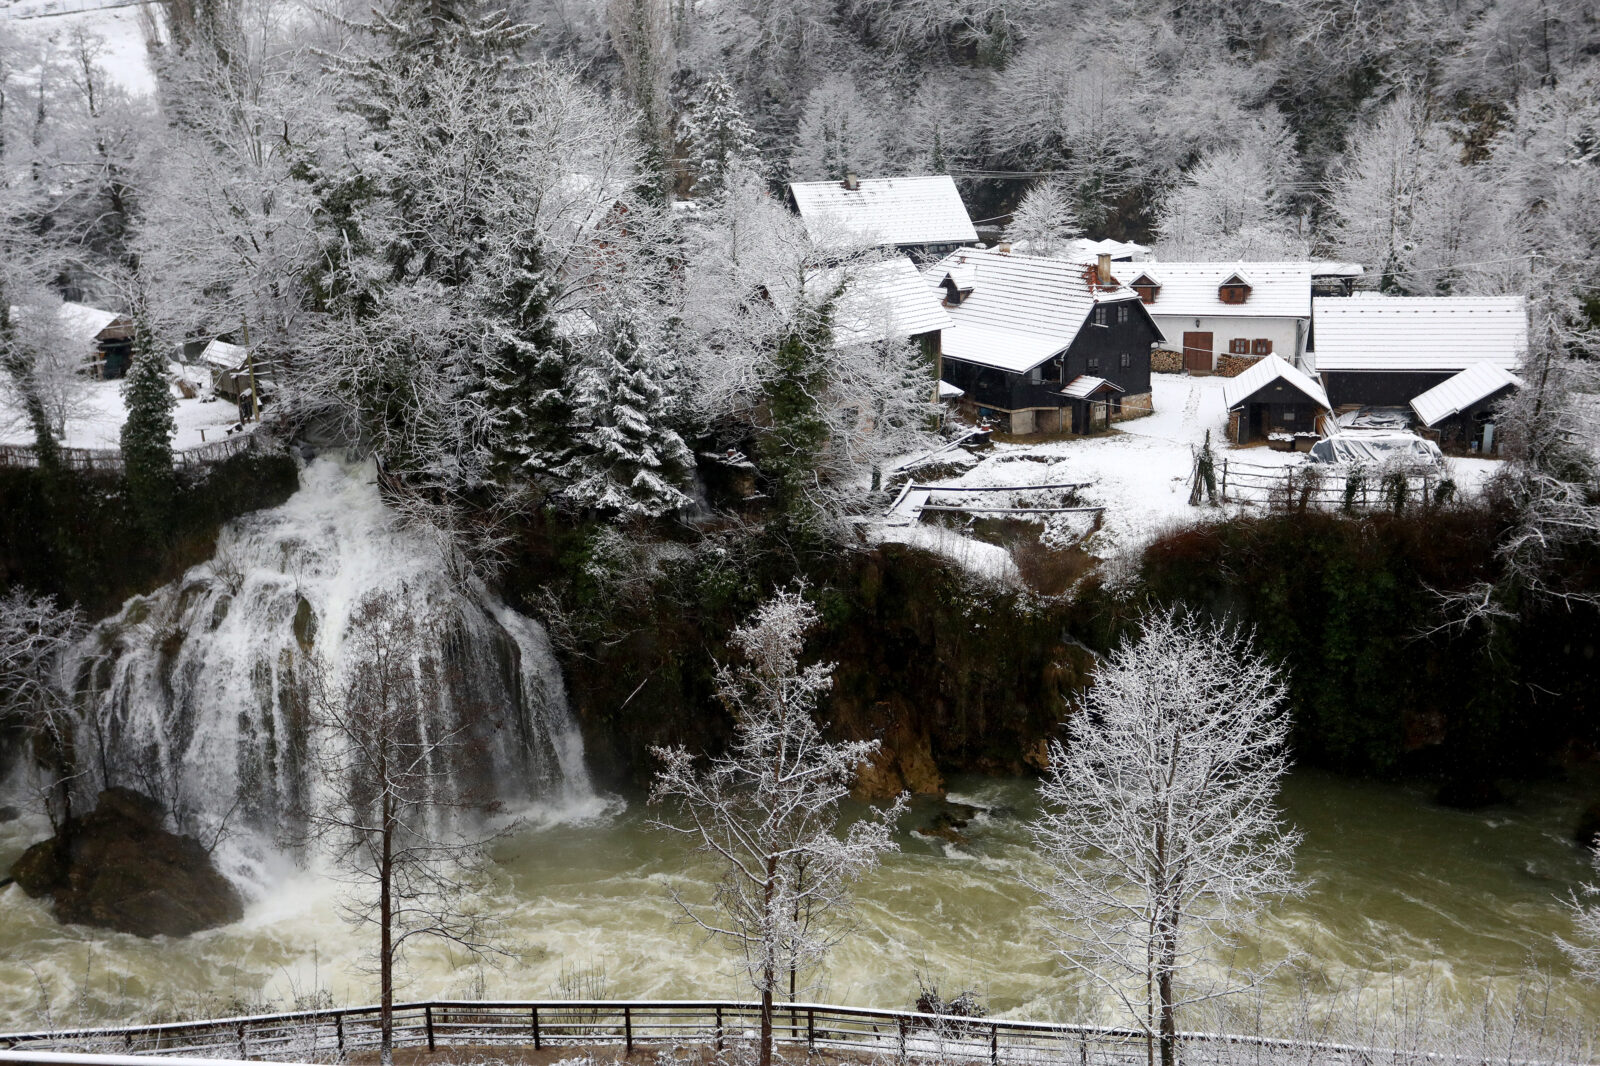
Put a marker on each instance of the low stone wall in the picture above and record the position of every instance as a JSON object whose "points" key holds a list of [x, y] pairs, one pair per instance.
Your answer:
{"points": [[1164, 361], [1231, 366], [1138, 405]]}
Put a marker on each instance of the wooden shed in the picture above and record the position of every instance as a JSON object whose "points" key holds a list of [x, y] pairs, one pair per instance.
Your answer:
{"points": [[1273, 397], [1461, 409]]}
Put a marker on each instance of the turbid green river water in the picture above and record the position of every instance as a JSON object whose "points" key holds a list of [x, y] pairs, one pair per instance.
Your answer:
{"points": [[1406, 896]]}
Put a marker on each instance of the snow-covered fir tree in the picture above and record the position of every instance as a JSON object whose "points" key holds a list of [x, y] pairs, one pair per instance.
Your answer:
{"points": [[147, 432], [629, 463], [716, 136]]}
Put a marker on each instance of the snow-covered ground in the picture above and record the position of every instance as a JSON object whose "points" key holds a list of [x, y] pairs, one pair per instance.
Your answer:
{"points": [[1140, 475], [125, 57], [97, 420]]}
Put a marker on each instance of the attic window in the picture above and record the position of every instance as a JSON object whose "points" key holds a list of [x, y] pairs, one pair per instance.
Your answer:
{"points": [[1236, 290], [1147, 288], [1100, 314], [1122, 313]]}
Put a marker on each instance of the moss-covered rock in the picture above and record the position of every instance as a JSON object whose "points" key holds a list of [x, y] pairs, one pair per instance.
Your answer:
{"points": [[117, 868]]}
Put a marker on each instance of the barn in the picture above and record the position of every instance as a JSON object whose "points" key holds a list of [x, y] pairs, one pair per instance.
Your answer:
{"points": [[1386, 351]]}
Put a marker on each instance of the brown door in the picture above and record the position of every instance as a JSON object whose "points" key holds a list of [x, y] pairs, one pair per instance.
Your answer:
{"points": [[1197, 352]]}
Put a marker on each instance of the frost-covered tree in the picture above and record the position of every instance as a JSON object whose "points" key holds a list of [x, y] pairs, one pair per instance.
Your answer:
{"points": [[34, 634], [841, 132], [1160, 828], [1230, 205], [1044, 219], [716, 136], [766, 813], [629, 462], [147, 431], [1583, 950]]}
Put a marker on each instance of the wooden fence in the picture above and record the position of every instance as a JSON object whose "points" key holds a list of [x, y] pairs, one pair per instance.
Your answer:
{"points": [[856, 1032], [109, 460], [1308, 486]]}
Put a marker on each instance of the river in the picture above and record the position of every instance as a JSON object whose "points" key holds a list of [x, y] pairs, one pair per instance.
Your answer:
{"points": [[1406, 898]]}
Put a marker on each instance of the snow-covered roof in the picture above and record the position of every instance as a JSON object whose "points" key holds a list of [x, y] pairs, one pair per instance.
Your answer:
{"points": [[965, 275], [1084, 386], [1022, 310], [1411, 333], [887, 299], [1453, 395], [222, 355], [1332, 268], [948, 391], [1264, 373], [886, 211], [1082, 249], [81, 321], [1277, 289]]}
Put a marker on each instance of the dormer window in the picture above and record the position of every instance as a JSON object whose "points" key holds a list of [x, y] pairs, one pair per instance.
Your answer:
{"points": [[1148, 287], [952, 295], [1235, 290]]}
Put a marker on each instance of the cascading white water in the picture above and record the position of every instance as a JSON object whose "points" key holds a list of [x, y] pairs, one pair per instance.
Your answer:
{"points": [[194, 693]]}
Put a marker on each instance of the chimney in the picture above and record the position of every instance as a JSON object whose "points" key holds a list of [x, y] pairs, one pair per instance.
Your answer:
{"points": [[1004, 247], [851, 182], [1103, 270]]}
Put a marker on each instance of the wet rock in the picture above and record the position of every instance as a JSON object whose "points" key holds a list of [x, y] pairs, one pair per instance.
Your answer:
{"points": [[117, 868], [949, 821]]}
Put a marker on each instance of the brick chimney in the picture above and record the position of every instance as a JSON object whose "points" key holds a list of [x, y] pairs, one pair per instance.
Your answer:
{"points": [[1004, 247], [851, 182], [1103, 269]]}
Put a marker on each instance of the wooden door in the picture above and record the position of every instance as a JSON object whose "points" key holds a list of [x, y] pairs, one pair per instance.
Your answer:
{"points": [[1197, 352]]}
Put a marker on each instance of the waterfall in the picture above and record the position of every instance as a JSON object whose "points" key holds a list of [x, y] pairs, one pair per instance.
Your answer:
{"points": [[196, 693]]}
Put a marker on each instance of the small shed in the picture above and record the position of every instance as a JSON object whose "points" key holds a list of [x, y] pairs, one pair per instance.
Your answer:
{"points": [[1092, 399], [105, 336], [1461, 409], [1272, 397]]}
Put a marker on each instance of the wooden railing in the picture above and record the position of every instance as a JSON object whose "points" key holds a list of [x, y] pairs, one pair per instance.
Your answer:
{"points": [[333, 1035], [109, 460], [1316, 487]]}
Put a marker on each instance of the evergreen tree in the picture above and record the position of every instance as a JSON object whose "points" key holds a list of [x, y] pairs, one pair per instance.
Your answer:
{"points": [[524, 372], [793, 387], [147, 432], [718, 136], [629, 463]]}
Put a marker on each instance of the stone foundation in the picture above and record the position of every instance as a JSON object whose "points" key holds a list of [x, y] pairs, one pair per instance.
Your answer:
{"points": [[1231, 366], [1163, 361], [1136, 406]]}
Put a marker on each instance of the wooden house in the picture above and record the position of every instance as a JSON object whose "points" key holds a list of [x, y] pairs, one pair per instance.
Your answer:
{"points": [[1043, 345], [1373, 350], [1270, 398], [1460, 411], [1227, 314], [922, 217], [104, 337]]}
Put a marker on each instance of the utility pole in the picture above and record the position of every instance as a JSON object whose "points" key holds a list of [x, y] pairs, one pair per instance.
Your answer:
{"points": [[250, 361]]}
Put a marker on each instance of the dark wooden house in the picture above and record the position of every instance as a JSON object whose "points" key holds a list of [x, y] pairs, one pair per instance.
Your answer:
{"points": [[1273, 397], [1043, 345]]}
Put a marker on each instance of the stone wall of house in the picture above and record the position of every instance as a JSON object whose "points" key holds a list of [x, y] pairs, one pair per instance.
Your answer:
{"points": [[1166, 361], [1231, 366], [1138, 405]]}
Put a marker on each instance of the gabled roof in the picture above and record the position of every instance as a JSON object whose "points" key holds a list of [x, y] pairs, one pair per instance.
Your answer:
{"points": [[1264, 373], [885, 211], [1419, 333], [223, 356], [1084, 386], [1023, 309], [1277, 289], [887, 299], [82, 322], [1082, 249], [1148, 275], [1453, 395]]}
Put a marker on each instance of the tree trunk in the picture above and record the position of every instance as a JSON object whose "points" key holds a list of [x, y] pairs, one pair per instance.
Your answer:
{"points": [[766, 1022], [1169, 1013], [386, 938]]}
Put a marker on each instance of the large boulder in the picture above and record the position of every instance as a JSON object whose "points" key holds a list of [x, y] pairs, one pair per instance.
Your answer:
{"points": [[117, 868]]}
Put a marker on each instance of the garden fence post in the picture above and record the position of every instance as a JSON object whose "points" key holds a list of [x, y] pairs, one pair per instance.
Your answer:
{"points": [[627, 1028], [427, 1018], [534, 1017], [811, 1029]]}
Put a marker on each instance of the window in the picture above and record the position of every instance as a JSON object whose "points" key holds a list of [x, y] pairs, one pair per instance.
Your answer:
{"points": [[1035, 375], [1100, 315], [1288, 415], [1147, 288], [1239, 346], [1261, 346], [1122, 314], [1094, 362], [1125, 360]]}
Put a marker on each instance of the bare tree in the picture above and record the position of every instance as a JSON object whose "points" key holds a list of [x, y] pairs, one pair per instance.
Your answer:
{"points": [[1160, 826], [34, 633], [767, 812], [396, 776]]}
